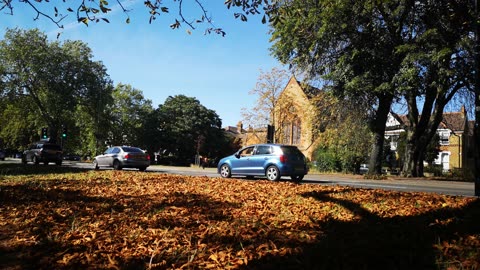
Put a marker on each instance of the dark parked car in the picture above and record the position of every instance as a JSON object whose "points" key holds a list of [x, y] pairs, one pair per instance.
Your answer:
{"points": [[120, 157], [43, 152], [72, 157], [270, 160]]}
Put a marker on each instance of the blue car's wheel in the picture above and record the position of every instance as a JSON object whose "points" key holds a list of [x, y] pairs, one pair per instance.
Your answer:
{"points": [[272, 173], [225, 171]]}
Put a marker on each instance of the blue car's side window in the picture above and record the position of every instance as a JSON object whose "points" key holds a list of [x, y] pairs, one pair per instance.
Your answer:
{"points": [[247, 152], [264, 150]]}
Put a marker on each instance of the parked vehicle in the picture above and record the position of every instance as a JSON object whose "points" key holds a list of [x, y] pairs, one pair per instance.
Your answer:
{"points": [[2, 154], [270, 160], [120, 157], [72, 157], [43, 152], [363, 168]]}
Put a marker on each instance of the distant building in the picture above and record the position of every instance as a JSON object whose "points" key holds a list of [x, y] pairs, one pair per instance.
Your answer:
{"points": [[456, 139]]}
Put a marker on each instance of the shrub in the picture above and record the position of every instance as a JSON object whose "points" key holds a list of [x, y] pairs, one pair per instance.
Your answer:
{"points": [[326, 161], [437, 170]]}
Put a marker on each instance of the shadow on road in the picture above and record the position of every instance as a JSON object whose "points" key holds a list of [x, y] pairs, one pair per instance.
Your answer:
{"points": [[375, 242]]}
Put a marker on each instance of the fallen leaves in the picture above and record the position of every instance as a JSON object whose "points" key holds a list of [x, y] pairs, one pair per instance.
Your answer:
{"points": [[125, 219]]}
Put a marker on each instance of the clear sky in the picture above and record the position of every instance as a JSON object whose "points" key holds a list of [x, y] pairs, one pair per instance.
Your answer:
{"points": [[161, 62]]}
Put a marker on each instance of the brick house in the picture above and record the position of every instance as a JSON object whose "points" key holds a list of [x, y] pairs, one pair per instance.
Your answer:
{"points": [[456, 151]]}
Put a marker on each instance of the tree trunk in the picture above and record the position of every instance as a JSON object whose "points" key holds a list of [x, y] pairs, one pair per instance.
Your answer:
{"points": [[378, 129], [419, 136], [415, 153], [409, 160]]}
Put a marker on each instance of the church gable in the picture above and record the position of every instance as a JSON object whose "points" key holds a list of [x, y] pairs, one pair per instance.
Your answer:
{"points": [[293, 116]]}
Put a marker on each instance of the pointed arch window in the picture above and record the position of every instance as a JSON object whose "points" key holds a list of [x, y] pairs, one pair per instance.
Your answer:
{"points": [[292, 132]]}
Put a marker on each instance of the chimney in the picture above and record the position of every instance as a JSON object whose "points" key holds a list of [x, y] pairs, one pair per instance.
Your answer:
{"points": [[239, 127]]}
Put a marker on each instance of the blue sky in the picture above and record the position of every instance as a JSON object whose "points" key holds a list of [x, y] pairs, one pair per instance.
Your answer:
{"points": [[161, 62]]}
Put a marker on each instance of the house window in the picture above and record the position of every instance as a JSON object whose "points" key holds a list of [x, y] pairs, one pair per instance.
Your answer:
{"points": [[444, 137]]}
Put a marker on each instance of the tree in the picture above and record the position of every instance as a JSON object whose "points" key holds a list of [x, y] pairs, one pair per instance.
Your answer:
{"points": [[18, 123], [342, 132], [350, 45], [437, 67], [87, 12], [432, 150], [187, 127], [268, 88], [50, 79], [127, 116]]}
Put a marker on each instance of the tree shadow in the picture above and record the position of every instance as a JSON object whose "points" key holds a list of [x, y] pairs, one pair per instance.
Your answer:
{"points": [[375, 242]]}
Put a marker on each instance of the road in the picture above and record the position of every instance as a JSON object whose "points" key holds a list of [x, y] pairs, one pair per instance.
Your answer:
{"points": [[455, 188], [392, 183]]}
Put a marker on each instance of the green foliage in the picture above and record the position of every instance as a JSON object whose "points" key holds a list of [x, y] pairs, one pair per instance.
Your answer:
{"points": [[45, 84], [188, 128], [88, 12], [437, 170], [346, 135], [327, 161], [127, 114]]}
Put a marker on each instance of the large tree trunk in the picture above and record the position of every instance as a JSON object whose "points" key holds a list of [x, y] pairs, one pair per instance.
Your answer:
{"points": [[378, 128], [409, 159], [417, 140], [422, 128]]}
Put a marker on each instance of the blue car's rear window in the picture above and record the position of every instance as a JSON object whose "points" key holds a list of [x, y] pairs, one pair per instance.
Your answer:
{"points": [[291, 151]]}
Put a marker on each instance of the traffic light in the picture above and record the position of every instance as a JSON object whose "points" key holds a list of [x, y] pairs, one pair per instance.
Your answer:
{"points": [[64, 132], [44, 133]]}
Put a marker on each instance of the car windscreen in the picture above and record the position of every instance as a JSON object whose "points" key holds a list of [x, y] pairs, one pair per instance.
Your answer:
{"points": [[132, 150]]}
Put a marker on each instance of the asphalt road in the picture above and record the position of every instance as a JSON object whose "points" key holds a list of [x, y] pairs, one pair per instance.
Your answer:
{"points": [[455, 188], [394, 183]]}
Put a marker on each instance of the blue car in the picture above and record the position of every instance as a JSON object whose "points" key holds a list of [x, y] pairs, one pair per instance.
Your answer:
{"points": [[270, 160]]}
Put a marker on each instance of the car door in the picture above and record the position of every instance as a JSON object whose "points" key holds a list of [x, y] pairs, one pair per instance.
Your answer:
{"points": [[112, 156], [241, 164], [102, 160], [31, 151], [259, 158]]}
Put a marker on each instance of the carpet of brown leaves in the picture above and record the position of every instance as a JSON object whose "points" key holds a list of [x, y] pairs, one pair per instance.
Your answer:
{"points": [[132, 220]]}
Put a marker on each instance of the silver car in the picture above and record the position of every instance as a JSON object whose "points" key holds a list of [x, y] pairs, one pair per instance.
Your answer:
{"points": [[120, 157]]}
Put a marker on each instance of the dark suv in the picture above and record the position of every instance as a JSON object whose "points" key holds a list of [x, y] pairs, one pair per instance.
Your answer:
{"points": [[43, 152]]}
